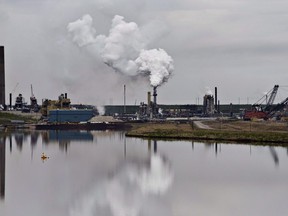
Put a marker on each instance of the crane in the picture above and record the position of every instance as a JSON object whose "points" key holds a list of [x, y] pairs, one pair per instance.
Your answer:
{"points": [[278, 107], [272, 96], [264, 111]]}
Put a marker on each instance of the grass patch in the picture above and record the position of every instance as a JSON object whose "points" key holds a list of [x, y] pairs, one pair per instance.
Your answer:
{"points": [[186, 131], [5, 118]]}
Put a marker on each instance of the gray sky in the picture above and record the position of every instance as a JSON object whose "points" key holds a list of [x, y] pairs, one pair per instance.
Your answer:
{"points": [[240, 46]]}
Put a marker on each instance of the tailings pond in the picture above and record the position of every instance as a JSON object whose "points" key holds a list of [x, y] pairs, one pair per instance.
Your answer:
{"points": [[102, 173]]}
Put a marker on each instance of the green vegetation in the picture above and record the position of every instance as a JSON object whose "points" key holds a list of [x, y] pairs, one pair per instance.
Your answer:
{"points": [[188, 131], [6, 118]]}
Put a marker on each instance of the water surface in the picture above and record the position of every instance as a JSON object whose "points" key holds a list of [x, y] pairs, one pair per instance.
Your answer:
{"points": [[103, 173]]}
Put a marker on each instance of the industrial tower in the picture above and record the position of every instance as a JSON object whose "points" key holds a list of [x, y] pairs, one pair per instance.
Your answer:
{"points": [[2, 76]]}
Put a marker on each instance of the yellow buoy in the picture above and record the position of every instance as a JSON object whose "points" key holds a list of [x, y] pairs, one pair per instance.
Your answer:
{"points": [[44, 157]]}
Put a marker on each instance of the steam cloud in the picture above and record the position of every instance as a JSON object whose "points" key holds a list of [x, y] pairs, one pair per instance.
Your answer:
{"points": [[123, 49], [157, 64], [129, 191], [208, 91]]}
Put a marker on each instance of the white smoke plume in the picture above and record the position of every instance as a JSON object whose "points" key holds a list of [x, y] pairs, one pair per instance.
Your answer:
{"points": [[84, 33], [157, 64], [101, 110], [208, 91], [124, 49]]}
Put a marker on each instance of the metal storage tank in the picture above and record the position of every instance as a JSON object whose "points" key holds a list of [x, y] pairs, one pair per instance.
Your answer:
{"points": [[73, 116]]}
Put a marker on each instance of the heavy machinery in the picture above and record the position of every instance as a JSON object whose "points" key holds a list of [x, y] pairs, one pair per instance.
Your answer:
{"points": [[261, 110], [62, 103]]}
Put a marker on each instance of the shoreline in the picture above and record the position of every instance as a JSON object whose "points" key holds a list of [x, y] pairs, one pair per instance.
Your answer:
{"points": [[265, 132], [176, 131]]}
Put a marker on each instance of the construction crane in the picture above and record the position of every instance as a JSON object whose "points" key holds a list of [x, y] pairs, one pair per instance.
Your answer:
{"points": [[263, 111]]}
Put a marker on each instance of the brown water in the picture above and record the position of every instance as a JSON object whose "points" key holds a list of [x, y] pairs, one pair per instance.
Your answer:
{"points": [[104, 173]]}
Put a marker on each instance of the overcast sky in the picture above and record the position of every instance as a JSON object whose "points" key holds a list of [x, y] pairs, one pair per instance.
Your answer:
{"points": [[240, 46]]}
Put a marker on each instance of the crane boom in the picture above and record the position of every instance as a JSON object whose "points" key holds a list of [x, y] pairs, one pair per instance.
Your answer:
{"points": [[263, 110], [273, 95], [278, 107]]}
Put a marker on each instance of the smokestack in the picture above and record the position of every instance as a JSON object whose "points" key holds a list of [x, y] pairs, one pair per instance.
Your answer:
{"points": [[216, 107], [65, 96], [155, 95], [10, 101], [2, 76], [148, 98], [124, 99], [154, 99], [148, 102]]}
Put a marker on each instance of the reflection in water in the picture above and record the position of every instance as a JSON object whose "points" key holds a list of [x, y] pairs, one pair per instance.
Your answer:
{"points": [[2, 167], [130, 190], [34, 137], [155, 146], [134, 185], [61, 136], [274, 155], [47, 137], [10, 142], [19, 138], [33, 142], [65, 137]]}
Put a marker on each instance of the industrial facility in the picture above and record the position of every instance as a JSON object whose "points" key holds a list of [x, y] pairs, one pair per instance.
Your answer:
{"points": [[61, 110]]}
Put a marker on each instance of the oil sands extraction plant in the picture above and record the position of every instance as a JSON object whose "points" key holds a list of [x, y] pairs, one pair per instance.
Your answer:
{"points": [[62, 111]]}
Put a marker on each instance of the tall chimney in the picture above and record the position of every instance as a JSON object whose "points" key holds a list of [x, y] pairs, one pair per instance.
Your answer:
{"points": [[124, 99], [2, 76], [154, 100], [149, 98], [155, 95], [216, 99], [148, 102], [10, 101]]}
